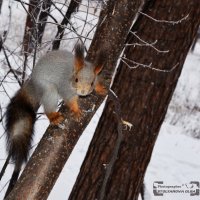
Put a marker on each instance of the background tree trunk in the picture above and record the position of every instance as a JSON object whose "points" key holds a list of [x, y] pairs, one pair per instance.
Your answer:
{"points": [[46, 163], [73, 7], [30, 27], [46, 5], [115, 164], [38, 12], [1, 2]]}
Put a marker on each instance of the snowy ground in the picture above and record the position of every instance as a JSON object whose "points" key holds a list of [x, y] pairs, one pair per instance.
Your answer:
{"points": [[175, 159]]}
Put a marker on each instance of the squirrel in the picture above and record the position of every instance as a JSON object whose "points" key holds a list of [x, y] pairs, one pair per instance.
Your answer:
{"points": [[57, 74]]}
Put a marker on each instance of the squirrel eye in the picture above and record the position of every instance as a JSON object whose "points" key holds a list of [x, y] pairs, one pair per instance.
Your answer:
{"points": [[76, 80]]}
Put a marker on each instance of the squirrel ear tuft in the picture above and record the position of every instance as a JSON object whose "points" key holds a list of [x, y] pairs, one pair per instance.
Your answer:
{"points": [[79, 56], [99, 62]]}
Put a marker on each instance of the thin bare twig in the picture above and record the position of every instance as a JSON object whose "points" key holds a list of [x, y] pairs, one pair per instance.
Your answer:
{"points": [[136, 63], [149, 44], [10, 67], [165, 21], [149, 66], [4, 166], [110, 165]]}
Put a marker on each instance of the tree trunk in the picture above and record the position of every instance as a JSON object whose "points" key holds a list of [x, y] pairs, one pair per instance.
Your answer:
{"points": [[52, 152], [116, 162]]}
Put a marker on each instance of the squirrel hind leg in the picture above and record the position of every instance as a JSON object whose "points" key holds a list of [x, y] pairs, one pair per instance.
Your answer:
{"points": [[55, 118], [49, 101]]}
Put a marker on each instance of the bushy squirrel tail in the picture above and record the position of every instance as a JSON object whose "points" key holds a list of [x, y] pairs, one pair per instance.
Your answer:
{"points": [[20, 120]]}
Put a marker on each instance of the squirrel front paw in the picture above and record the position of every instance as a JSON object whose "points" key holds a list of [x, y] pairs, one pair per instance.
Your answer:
{"points": [[77, 114], [74, 108], [100, 89], [55, 118]]}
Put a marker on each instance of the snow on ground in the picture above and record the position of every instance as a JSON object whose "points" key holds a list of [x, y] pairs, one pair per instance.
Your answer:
{"points": [[175, 159], [184, 108]]}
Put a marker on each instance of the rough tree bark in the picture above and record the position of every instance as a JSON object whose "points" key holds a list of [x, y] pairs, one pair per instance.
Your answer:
{"points": [[144, 94], [56, 145]]}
